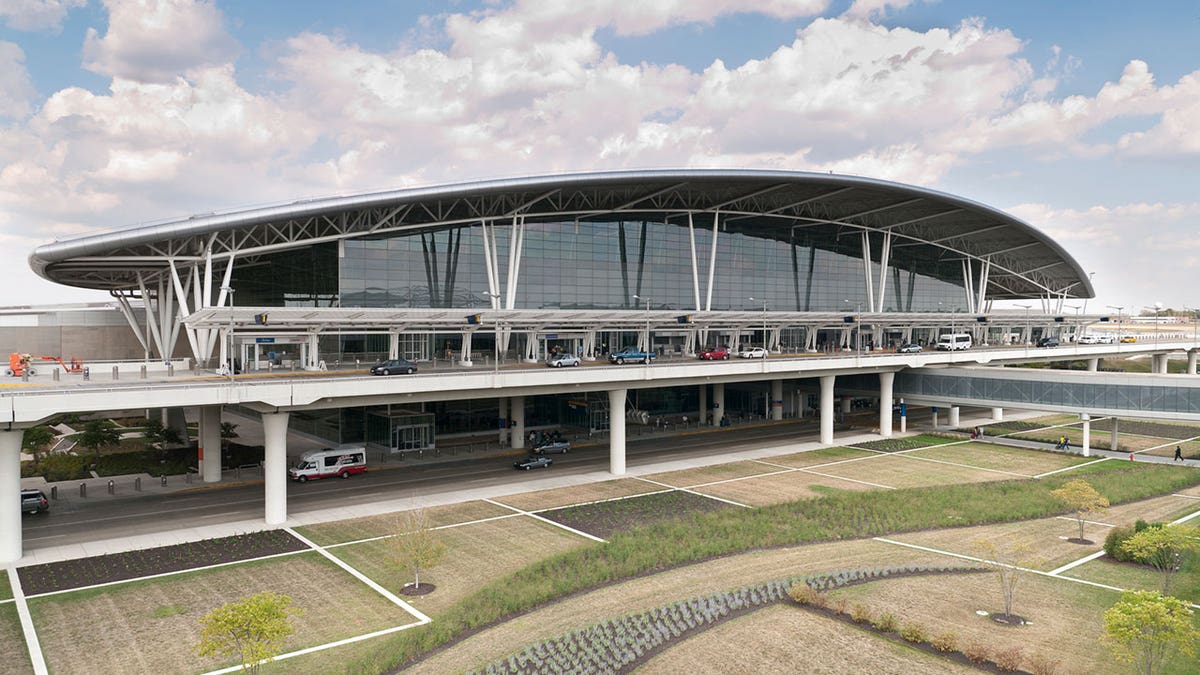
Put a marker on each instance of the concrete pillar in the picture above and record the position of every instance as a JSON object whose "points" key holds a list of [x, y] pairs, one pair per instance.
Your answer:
{"points": [[1093, 365], [10, 495], [275, 466], [934, 421], [703, 404], [393, 345], [1158, 363], [886, 380], [777, 400], [1191, 364], [1112, 443], [1087, 434], [210, 443], [616, 428], [502, 414], [846, 401], [464, 356], [953, 417], [718, 404], [827, 409], [997, 414], [517, 412]]}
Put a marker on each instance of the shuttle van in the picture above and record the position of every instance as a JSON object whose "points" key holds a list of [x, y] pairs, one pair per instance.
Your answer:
{"points": [[329, 462], [953, 342]]}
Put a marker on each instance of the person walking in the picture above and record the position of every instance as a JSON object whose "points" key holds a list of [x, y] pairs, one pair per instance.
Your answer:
{"points": [[1178, 454]]}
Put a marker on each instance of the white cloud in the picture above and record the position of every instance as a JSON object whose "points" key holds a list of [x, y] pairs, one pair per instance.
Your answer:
{"points": [[158, 40], [16, 89], [37, 14], [870, 9]]}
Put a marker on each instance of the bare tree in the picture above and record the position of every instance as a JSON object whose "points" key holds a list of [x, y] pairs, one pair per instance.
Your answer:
{"points": [[416, 545], [1011, 562]]}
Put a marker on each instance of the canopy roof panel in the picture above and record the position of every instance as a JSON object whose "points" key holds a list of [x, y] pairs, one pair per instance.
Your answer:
{"points": [[929, 228]]}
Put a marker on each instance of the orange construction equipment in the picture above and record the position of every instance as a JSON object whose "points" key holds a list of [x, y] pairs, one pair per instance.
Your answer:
{"points": [[19, 363]]}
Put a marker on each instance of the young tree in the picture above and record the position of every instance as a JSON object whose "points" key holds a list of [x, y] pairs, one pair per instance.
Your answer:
{"points": [[252, 628], [1164, 549], [1083, 499], [158, 436], [98, 434], [416, 545], [228, 431], [36, 439], [1145, 627], [1010, 562]]}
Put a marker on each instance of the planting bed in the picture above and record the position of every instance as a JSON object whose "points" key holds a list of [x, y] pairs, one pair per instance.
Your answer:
{"points": [[987, 456], [606, 518], [81, 572], [907, 443], [1146, 428], [710, 474], [779, 488], [901, 471], [578, 494], [357, 529], [818, 456]]}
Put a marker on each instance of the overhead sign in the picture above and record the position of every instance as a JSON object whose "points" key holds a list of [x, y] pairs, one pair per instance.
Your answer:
{"points": [[265, 341]]}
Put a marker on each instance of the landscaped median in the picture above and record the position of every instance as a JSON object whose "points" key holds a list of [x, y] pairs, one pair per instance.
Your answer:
{"points": [[699, 537]]}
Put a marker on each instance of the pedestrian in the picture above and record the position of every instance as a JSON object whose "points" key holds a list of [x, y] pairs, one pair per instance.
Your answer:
{"points": [[1178, 454]]}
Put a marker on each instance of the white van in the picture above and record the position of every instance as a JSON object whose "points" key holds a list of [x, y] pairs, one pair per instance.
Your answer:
{"points": [[342, 462], [953, 342]]}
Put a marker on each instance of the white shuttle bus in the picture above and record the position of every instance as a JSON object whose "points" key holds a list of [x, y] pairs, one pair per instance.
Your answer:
{"points": [[342, 462], [951, 342]]}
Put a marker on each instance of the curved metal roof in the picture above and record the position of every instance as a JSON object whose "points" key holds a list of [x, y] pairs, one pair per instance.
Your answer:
{"points": [[770, 204]]}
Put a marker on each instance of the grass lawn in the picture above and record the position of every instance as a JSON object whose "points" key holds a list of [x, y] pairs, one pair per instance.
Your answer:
{"points": [[1045, 537], [12, 641], [1164, 509], [1102, 440], [1185, 585], [578, 494], [603, 519], [907, 442], [901, 471], [1190, 450], [152, 626], [785, 487], [710, 474], [5, 587], [987, 456], [818, 456], [653, 591], [784, 638], [342, 531]]}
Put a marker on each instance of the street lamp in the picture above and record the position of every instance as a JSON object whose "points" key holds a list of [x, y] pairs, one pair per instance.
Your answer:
{"points": [[857, 334], [229, 360], [1120, 327], [1156, 309], [766, 342]]}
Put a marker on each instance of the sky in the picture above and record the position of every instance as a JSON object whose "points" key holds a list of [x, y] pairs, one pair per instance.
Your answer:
{"points": [[1080, 118]]}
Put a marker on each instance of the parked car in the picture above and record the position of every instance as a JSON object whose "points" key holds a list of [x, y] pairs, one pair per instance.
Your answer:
{"points": [[714, 354], [1048, 341], [1088, 339], [33, 501], [1128, 338], [755, 353], [560, 360], [630, 355], [342, 462], [394, 367], [1107, 339], [553, 446], [533, 462], [909, 348]]}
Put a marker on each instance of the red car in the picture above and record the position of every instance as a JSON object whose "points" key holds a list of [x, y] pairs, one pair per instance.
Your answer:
{"points": [[714, 353]]}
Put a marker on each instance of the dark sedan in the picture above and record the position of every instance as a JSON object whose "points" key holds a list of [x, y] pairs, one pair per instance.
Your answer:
{"points": [[533, 462], [394, 367]]}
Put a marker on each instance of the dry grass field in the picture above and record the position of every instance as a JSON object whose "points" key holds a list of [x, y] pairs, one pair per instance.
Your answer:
{"points": [[787, 639], [158, 621], [1191, 449], [800, 460], [900, 471], [710, 474], [1045, 538], [578, 494], [12, 641], [356, 529], [5, 587], [778, 488], [986, 456]]}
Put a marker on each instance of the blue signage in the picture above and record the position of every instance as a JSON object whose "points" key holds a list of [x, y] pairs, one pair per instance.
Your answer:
{"points": [[265, 341]]}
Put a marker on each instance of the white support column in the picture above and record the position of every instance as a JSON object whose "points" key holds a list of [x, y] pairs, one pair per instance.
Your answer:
{"points": [[903, 417], [827, 409], [1162, 364], [718, 404], [695, 264], [502, 415], [997, 414], [275, 466], [210, 443], [1191, 362], [517, 412], [465, 355], [616, 429], [703, 404], [1093, 365], [393, 345], [10, 495], [866, 258], [934, 420], [776, 400], [1087, 434], [314, 354], [884, 257], [953, 417], [712, 264], [886, 380], [1112, 441]]}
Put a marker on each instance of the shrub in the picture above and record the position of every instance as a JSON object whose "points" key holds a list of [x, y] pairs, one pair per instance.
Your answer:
{"points": [[64, 467], [1043, 665], [913, 632], [1112, 543], [887, 622], [839, 605], [802, 594], [946, 641], [1009, 660], [860, 614], [977, 653]]}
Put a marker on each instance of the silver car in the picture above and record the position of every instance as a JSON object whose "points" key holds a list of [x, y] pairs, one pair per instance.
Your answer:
{"points": [[560, 360]]}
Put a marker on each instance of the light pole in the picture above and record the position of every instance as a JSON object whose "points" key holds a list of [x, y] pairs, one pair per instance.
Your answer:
{"points": [[229, 360], [1120, 327], [1156, 309], [1091, 282], [766, 341]]}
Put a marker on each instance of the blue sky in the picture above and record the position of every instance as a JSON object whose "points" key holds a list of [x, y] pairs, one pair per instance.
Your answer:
{"points": [[1078, 117]]}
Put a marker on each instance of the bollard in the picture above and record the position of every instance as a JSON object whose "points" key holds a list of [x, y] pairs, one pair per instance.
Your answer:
{"points": [[56, 374], [137, 483], [293, 366], [170, 369], [112, 487], [237, 473], [25, 375], [143, 374], [116, 374], [164, 479], [187, 478], [54, 492], [357, 365], [87, 373], [83, 489]]}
